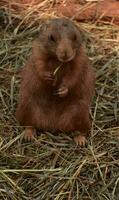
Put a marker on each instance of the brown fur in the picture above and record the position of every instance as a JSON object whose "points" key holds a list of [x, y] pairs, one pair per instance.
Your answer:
{"points": [[62, 101]]}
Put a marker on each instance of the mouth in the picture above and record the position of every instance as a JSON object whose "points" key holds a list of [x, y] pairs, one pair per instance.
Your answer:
{"points": [[67, 59]]}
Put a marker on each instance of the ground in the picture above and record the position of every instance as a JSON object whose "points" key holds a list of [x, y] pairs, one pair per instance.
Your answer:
{"points": [[53, 167]]}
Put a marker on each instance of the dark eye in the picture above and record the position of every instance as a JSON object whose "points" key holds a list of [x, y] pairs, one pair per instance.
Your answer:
{"points": [[74, 37], [51, 37]]}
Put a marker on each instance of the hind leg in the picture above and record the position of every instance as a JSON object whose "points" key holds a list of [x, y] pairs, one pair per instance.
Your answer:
{"points": [[30, 133], [81, 123], [29, 116], [76, 119], [80, 140]]}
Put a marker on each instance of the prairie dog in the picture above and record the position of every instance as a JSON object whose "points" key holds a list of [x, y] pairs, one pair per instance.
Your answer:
{"points": [[57, 82]]}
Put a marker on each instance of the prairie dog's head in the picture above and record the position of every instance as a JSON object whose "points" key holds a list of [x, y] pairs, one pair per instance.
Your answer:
{"points": [[60, 38]]}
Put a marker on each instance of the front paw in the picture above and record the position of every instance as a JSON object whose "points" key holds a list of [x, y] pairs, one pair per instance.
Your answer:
{"points": [[48, 77], [62, 91]]}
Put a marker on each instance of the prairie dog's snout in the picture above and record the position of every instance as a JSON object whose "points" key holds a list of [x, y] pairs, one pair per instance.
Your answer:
{"points": [[64, 51]]}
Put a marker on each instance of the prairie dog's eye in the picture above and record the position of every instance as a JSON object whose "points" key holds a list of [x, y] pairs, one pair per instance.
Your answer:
{"points": [[74, 37], [51, 37]]}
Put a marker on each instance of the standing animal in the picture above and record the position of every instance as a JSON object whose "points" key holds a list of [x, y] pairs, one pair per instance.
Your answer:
{"points": [[57, 83]]}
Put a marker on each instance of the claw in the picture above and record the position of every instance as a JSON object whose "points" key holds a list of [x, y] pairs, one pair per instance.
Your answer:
{"points": [[30, 134], [80, 140], [62, 91], [48, 76]]}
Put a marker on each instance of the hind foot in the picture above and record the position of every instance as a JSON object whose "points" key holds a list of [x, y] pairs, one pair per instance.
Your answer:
{"points": [[80, 140], [30, 134]]}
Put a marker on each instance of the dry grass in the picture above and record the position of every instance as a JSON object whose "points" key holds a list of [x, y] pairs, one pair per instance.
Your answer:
{"points": [[53, 167]]}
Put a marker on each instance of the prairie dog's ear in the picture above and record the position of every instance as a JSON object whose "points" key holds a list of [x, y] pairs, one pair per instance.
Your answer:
{"points": [[85, 36], [43, 27]]}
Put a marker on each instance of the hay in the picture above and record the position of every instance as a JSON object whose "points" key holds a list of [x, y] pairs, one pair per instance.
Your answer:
{"points": [[53, 167]]}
